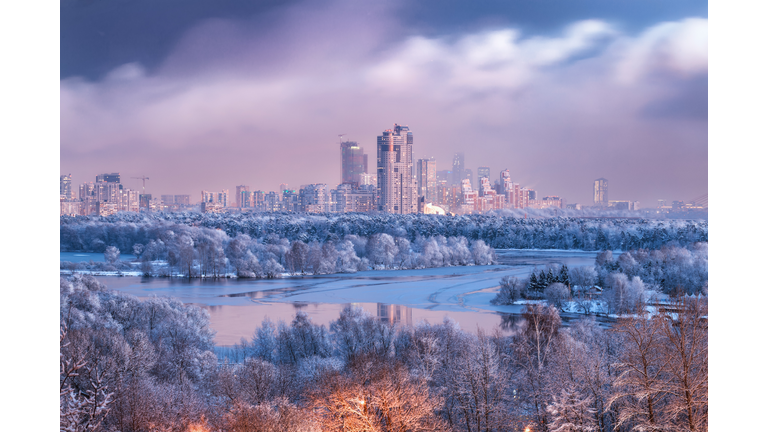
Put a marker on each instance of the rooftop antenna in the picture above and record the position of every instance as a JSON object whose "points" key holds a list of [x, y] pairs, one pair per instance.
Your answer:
{"points": [[143, 182]]}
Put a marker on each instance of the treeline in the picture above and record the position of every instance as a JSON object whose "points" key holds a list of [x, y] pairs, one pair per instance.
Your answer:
{"points": [[123, 230], [205, 252], [615, 285], [130, 365]]}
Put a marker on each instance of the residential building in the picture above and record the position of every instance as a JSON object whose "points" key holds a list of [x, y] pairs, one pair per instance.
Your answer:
{"points": [[426, 179], [314, 198], [242, 196], [368, 179], [70, 208], [65, 187], [458, 169], [601, 192], [347, 198], [396, 188], [547, 202], [484, 187], [85, 191], [272, 202], [290, 201], [144, 201], [483, 171], [354, 162], [625, 205], [221, 198], [505, 180]]}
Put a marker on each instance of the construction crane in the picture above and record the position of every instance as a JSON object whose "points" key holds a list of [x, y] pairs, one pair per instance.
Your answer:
{"points": [[340, 135], [143, 182]]}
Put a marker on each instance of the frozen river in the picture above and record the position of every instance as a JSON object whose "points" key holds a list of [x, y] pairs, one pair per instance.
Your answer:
{"points": [[237, 307]]}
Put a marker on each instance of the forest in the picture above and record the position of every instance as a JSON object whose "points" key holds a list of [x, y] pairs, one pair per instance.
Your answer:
{"points": [[124, 230], [206, 252], [131, 365], [615, 286]]}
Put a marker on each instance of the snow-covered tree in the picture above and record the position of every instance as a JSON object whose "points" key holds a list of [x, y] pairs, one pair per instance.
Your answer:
{"points": [[557, 295], [511, 289], [112, 255]]}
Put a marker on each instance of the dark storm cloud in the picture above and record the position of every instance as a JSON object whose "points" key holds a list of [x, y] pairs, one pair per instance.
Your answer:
{"points": [[98, 35], [260, 102]]}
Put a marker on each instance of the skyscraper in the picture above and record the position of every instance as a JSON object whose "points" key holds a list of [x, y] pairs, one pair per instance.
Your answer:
{"points": [[458, 168], [65, 186], [505, 180], [396, 189], [242, 196], [483, 172], [426, 179], [353, 162], [601, 192]]}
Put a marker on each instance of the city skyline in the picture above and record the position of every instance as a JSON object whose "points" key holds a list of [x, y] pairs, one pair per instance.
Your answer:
{"points": [[559, 99], [358, 159]]}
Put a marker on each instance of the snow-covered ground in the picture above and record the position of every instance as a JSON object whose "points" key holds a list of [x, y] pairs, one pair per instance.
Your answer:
{"points": [[238, 306]]}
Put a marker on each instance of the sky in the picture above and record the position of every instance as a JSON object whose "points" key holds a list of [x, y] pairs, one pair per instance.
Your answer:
{"points": [[209, 95]]}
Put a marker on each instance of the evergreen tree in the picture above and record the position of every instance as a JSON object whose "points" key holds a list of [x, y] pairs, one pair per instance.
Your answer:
{"points": [[533, 282], [550, 278], [562, 277]]}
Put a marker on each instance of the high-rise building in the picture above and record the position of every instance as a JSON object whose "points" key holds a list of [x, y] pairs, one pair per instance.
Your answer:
{"points": [[109, 178], [144, 200], [129, 201], [426, 179], [353, 162], [257, 200], [220, 198], [346, 198], [242, 196], [467, 175], [485, 187], [314, 198], [458, 169], [85, 192], [396, 188], [601, 192], [368, 179], [272, 202], [446, 176], [65, 186], [483, 172], [107, 192], [290, 201], [177, 200], [505, 180]]}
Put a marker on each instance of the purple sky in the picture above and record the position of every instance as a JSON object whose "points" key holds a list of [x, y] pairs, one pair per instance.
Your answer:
{"points": [[260, 100]]}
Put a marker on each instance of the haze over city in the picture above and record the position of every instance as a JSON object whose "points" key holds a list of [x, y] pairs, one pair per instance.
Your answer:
{"points": [[258, 95]]}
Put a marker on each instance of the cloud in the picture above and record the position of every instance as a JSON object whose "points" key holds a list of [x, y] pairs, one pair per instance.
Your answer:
{"points": [[241, 103], [678, 48], [487, 61]]}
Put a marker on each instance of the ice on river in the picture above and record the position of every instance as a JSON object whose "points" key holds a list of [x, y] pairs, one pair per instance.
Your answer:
{"points": [[237, 306]]}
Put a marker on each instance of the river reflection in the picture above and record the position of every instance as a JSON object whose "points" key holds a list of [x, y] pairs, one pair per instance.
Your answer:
{"points": [[403, 297], [234, 323]]}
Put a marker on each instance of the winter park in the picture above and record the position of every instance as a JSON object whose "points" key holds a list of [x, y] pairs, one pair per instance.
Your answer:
{"points": [[364, 216], [535, 332]]}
